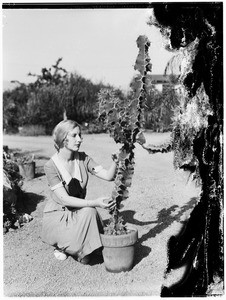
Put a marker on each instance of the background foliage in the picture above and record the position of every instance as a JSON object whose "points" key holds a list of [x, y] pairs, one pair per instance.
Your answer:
{"points": [[57, 94], [161, 106]]}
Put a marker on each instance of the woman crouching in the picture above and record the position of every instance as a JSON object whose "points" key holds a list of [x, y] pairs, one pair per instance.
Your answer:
{"points": [[70, 223]]}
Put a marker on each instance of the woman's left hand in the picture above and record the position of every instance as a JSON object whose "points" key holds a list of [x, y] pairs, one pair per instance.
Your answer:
{"points": [[106, 203]]}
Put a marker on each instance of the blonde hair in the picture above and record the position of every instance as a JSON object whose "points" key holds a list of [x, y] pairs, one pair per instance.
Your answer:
{"points": [[60, 132]]}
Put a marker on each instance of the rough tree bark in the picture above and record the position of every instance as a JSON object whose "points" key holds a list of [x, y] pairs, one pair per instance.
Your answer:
{"points": [[200, 244]]}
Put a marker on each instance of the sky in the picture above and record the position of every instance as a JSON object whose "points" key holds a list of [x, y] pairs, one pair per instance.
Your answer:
{"points": [[99, 44]]}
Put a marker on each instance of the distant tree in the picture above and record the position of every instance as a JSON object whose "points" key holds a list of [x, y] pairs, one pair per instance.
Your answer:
{"points": [[50, 76], [44, 107], [80, 98], [54, 95], [161, 106]]}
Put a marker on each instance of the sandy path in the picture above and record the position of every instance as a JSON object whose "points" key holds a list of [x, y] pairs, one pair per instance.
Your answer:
{"points": [[160, 201]]}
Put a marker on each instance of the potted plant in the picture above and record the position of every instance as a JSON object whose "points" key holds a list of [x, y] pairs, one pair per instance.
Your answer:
{"points": [[124, 120], [26, 165]]}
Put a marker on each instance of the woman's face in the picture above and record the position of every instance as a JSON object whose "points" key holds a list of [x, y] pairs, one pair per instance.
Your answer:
{"points": [[73, 139]]}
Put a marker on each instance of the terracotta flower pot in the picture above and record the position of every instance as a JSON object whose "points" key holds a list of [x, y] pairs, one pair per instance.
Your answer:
{"points": [[27, 170], [118, 251]]}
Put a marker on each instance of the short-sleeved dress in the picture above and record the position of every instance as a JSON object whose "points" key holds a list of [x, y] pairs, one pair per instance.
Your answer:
{"points": [[74, 230]]}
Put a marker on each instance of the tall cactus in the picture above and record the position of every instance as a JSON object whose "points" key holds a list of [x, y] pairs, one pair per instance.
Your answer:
{"points": [[124, 121]]}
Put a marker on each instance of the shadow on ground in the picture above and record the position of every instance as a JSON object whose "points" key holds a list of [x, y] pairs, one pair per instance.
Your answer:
{"points": [[165, 218], [40, 162], [29, 201], [39, 173]]}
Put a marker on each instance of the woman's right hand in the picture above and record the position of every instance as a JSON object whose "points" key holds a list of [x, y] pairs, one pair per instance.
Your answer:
{"points": [[105, 202]]}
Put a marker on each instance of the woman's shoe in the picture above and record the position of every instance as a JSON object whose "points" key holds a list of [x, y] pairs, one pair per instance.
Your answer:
{"points": [[85, 260], [60, 255]]}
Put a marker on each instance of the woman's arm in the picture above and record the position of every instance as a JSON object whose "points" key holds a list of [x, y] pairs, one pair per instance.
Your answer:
{"points": [[110, 173], [103, 202], [107, 174]]}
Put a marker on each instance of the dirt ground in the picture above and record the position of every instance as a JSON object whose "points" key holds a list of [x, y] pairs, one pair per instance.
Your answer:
{"points": [[161, 200]]}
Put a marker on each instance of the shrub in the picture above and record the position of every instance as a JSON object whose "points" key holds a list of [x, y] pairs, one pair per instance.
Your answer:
{"points": [[10, 214]]}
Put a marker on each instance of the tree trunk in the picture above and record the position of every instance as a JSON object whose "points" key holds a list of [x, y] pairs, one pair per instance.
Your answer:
{"points": [[200, 246]]}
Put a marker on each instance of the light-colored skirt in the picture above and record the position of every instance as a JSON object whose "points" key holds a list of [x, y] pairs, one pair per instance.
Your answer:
{"points": [[76, 232]]}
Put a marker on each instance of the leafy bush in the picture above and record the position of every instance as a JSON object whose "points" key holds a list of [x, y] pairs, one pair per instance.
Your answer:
{"points": [[54, 95], [14, 210], [12, 170], [10, 214], [45, 106], [15, 108]]}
